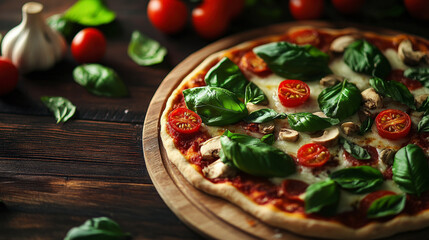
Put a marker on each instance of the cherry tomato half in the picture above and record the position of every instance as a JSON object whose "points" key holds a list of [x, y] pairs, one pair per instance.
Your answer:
{"points": [[252, 63], [366, 202], [348, 6], [293, 93], [313, 155], [89, 45], [168, 16], [209, 18], [184, 120], [393, 124], [305, 36], [398, 76], [418, 8], [306, 9], [8, 76]]}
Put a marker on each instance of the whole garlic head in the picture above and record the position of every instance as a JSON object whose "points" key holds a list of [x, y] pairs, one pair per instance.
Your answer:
{"points": [[33, 45]]}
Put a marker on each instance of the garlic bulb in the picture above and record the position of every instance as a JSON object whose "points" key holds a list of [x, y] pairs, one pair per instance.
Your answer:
{"points": [[33, 45]]}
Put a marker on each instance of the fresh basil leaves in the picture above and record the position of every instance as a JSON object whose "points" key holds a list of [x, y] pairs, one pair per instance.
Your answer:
{"points": [[424, 107], [421, 74], [264, 115], [411, 170], [308, 122], [216, 106], [423, 125], [355, 150], [362, 179], [90, 13], [100, 80], [292, 61], [322, 197], [253, 94], [363, 57], [396, 90], [97, 228], [64, 26], [268, 139], [255, 157], [144, 50], [61, 107], [340, 101], [386, 206], [366, 125]]}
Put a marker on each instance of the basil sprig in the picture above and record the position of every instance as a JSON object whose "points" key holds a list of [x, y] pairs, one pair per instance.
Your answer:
{"points": [[361, 179], [216, 106], [61, 107], [98, 228], [421, 74], [396, 90], [386, 206], [264, 115], [255, 157], [366, 125], [292, 61], [423, 125], [340, 101], [322, 197], [411, 170], [363, 57], [355, 150], [145, 51], [253, 94], [308, 122], [268, 139], [424, 107], [90, 13]]}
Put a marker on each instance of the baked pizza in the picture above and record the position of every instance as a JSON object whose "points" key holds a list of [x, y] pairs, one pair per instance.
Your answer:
{"points": [[323, 132]]}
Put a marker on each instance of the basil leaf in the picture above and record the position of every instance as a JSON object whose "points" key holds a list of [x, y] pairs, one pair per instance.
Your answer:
{"points": [[423, 124], [424, 107], [145, 51], [421, 74], [61, 107], [386, 206], [355, 150], [255, 157], [253, 94], [308, 122], [216, 106], [340, 101], [268, 139], [410, 170], [100, 80], [97, 228], [64, 26], [366, 125], [363, 57], [322, 197], [264, 115], [292, 61], [396, 90], [90, 13], [362, 179]]}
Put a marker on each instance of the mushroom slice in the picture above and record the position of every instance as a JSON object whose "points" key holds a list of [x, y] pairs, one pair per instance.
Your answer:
{"points": [[329, 137], [266, 128], [387, 155], [331, 80], [408, 55], [254, 107], [218, 169], [320, 114], [350, 128], [341, 43], [289, 135], [371, 99], [420, 100], [210, 148]]}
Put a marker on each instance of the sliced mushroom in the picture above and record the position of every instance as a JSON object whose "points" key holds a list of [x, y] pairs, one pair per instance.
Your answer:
{"points": [[408, 55], [320, 114], [387, 155], [254, 107], [350, 128], [218, 169], [210, 148], [288, 135], [364, 114], [341, 43], [329, 137], [331, 80], [266, 128], [371, 99], [420, 99]]}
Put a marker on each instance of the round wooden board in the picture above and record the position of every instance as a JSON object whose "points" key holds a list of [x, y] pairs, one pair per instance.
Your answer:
{"points": [[208, 215]]}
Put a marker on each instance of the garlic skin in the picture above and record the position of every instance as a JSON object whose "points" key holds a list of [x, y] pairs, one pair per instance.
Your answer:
{"points": [[33, 45]]}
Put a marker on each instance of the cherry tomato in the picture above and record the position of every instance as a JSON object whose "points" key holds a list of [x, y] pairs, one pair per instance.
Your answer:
{"points": [[292, 188], [393, 124], [8, 76], [305, 36], [306, 9], [168, 16], [252, 63], [366, 202], [293, 93], [398, 76], [184, 120], [418, 8], [348, 6], [313, 155], [209, 18], [89, 45]]}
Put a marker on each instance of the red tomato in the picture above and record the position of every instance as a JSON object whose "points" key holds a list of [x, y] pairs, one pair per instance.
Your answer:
{"points": [[209, 18], [418, 8], [348, 6], [184, 120], [366, 202], [306, 9], [89, 45], [252, 63], [293, 93], [305, 36], [8, 76], [292, 188], [393, 124], [398, 76], [313, 155], [168, 16]]}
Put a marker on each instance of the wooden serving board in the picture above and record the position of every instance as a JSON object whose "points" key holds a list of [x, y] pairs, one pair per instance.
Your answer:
{"points": [[211, 216]]}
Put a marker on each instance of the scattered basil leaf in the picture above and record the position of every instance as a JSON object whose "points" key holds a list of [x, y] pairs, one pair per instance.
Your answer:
{"points": [[308, 122], [355, 150], [255, 157], [322, 197], [361, 179], [90, 13], [423, 125], [421, 74], [253, 94], [97, 228], [386, 206], [64, 26], [410, 170], [396, 90], [366, 125], [424, 107], [145, 51], [216, 106], [61, 107], [363, 57], [292, 61], [264, 115], [268, 139], [341, 100], [100, 80]]}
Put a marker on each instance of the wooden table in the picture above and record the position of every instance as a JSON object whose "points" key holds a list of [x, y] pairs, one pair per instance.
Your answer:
{"points": [[55, 176]]}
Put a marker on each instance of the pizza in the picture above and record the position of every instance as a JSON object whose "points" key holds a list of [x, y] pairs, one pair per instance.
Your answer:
{"points": [[322, 132]]}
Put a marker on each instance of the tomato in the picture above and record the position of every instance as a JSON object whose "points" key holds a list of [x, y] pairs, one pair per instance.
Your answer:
{"points": [[252, 63], [209, 18], [398, 76], [393, 124], [313, 155], [292, 188], [293, 93], [168, 16], [89, 45], [8, 76], [418, 8], [366, 202], [348, 6], [305, 36], [184, 120], [306, 9]]}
